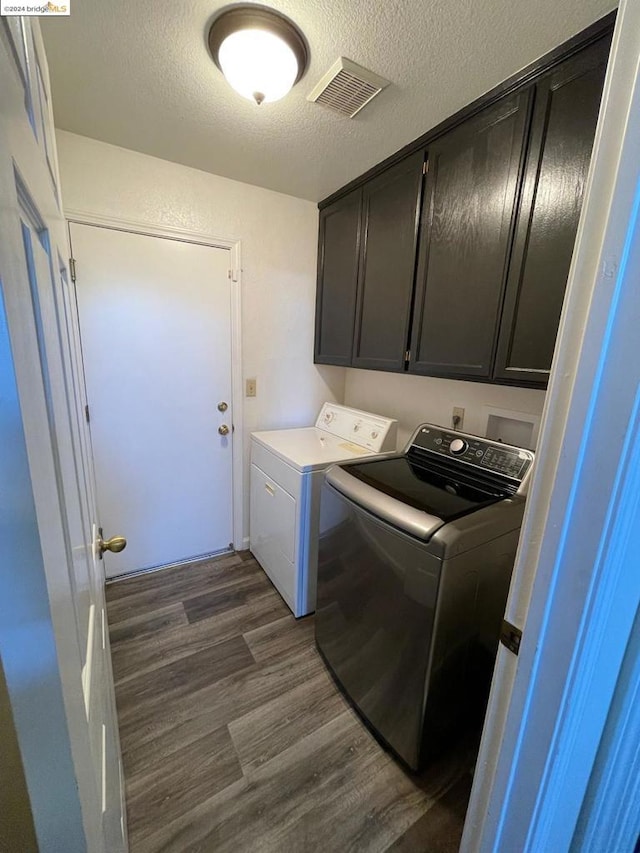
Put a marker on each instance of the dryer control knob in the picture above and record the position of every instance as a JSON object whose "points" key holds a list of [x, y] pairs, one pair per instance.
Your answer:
{"points": [[458, 446]]}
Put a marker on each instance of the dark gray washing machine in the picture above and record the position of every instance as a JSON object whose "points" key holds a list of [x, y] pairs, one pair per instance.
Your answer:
{"points": [[415, 560]]}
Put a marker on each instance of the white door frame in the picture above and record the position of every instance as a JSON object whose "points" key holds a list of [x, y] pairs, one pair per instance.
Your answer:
{"points": [[83, 217], [576, 586]]}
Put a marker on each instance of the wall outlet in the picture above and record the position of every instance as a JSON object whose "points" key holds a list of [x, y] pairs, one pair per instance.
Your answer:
{"points": [[250, 387], [457, 417]]}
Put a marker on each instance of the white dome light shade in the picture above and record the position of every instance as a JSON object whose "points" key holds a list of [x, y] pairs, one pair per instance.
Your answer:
{"points": [[260, 52], [258, 64]]}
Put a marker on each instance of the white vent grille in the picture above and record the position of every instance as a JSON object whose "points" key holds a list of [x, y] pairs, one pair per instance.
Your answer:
{"points": [[347, 87]]}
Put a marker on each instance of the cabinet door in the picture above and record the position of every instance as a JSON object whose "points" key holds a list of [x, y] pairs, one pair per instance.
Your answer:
{"points": [[563, 129], [390, 214], [465, 234], [338, 253]]}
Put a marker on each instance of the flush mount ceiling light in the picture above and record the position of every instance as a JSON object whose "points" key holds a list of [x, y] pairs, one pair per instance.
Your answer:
{"points": [[260, 52]]}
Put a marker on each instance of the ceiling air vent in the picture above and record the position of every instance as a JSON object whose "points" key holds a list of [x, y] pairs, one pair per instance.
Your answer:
{"points": [[347, 87]]}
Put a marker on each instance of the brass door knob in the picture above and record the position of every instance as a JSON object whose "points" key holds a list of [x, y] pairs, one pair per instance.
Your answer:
{"points": [[222, 407], [223, 430], [115, 544]]}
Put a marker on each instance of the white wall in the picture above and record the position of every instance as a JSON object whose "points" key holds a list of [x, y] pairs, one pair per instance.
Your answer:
{"points": [[417, 399], [279, 244]]}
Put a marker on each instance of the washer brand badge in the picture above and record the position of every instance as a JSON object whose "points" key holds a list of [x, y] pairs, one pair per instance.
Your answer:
{"points": [[34, 7]]}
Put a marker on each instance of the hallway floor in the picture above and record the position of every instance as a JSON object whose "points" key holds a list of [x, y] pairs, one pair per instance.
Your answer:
{"points": [[234, 737]]}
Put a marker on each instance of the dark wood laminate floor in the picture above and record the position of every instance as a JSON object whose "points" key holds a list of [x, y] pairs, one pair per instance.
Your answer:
{"points": [[235, 738]]}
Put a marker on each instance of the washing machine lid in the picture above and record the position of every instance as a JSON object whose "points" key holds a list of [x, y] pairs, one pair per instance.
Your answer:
{"points": [[443, 494], [441, 476], [410, 496], [309, 448]]}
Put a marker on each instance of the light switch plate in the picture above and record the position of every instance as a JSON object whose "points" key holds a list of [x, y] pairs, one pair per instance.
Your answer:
{"points": [[250, 387]]}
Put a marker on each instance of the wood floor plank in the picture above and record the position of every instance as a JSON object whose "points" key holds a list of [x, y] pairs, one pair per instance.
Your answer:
{"points": [[232, 595], [204, 571], [269, 605], [363, 814], [246, 556], [137, 642], [134, 597], [258, 815], [369, 812], [269, 641], [174, 783], [139, 656], [133, 659], [185, 676], [439, 829], [276, 725], [145, 625], [392, 800], [217, 704]]}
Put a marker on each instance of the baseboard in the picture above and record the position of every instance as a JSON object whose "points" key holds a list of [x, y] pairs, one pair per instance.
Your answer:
{"points": [[203, 558]]}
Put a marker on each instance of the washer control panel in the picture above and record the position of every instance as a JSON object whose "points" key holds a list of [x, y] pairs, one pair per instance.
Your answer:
{"points": [[365, 429], [493, 456]]}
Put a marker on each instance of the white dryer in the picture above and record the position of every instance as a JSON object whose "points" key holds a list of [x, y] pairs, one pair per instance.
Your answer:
{"points": [[287, 470]]}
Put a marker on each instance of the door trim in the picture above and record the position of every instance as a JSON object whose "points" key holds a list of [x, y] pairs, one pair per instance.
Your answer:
{"points": [[183, 235]]}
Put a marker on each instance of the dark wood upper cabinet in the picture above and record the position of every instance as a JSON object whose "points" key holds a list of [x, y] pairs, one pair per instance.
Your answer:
{"points": [[563, 128], [338, 250], [465, 235], [466, 266], [390, 215]]}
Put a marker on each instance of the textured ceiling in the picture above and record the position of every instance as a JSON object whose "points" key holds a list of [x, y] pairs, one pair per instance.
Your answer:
{"points": [[137, 74]]}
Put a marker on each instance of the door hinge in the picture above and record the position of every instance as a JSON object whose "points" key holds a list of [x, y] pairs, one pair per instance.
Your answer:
{"points": [[425, 167], [72, 269], [407, 356], [86, 413], [510, 636]]}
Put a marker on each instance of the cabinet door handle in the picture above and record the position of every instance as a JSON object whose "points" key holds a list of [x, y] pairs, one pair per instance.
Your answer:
{"points": [[270, 489]]}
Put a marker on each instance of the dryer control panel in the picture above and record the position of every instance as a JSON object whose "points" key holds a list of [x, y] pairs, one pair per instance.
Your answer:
{"points": [[365, 429]]}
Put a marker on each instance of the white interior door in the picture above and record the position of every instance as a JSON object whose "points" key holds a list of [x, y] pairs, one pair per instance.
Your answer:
{"points": [[43, 325], [155, 316]]}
